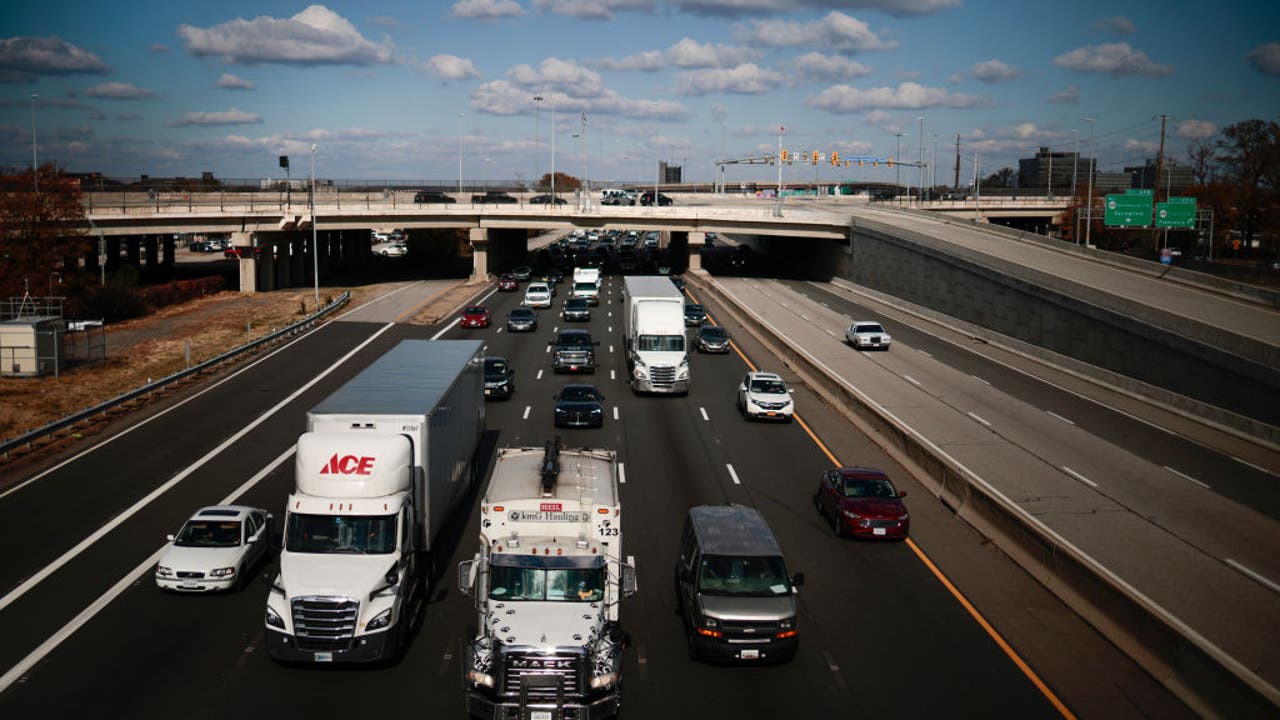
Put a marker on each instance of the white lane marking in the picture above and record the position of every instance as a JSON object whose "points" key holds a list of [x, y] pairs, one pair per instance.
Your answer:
{"points": [[539, 375], [829, 332], [615, 412], [527, 408], [1253, 575], [1079, 477], [80, 547], [611, 349], [835, 669], [610, 313], [804, 317], [824, 305], [613, 375], [555, 329], [1259, 468], [53, 641], [443, 330], [1056, 415], [733, 474], [499, 330], [704, 414], [622, 474], [484, 349], [975, 417], [981, 380], [924, 353], [548, 348], [1188, 477], [610, 328], [378, 299], [911, 380]]}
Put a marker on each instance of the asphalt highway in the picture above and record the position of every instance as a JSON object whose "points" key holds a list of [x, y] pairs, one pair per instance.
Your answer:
{"points": [[86, 630]]}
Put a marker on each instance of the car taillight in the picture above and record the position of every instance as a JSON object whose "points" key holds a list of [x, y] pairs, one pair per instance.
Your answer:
{"points": [[783, 634]]}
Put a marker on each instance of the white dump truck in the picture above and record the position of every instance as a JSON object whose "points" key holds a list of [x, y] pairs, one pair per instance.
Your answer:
{"points": [[653, 322], [385, 460], [586, 285], [547, 583]]}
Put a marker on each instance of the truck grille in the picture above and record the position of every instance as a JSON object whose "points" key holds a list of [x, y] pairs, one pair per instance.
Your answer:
{"points": [[662, 375], [547, 675], [748, 631], [325, 623]]}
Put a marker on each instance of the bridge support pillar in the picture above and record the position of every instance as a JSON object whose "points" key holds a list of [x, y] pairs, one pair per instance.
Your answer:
{"points": [[300, 260], [167, 244], [697, 240], [133, 249], [266, 268], [113, 253], [479, 255], [152, 243], [284, 263]]}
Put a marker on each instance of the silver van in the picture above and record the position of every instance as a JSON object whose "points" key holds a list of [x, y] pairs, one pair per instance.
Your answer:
{"points": [[736, 599]]}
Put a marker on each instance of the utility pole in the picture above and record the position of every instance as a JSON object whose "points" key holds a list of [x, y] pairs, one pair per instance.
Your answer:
{"points": [[553, 152], [920, 163], [1159, 167], [955, 184], [1088, 215], [35, 167], [460, 153], [1075, 160], [897, 159], [778, 206]]}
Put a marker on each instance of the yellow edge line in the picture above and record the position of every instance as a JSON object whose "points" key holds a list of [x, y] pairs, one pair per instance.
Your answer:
{"points": [[942, 578]]}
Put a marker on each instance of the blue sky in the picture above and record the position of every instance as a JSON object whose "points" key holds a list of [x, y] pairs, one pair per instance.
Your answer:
{"points": [[174, 88]]}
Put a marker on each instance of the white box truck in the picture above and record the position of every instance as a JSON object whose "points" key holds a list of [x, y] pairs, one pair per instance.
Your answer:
{"points": [[384, 461], [653, 322], [586, 285], [547, 583]]}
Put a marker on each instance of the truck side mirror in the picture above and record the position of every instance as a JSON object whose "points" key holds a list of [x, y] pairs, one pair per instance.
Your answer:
{"points": [[797, 580], [467, 576], [169, 538], [628, 580]]}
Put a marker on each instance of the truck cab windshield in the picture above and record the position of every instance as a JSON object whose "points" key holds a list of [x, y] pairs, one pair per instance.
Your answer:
{"points": [[354, 534], [743, 576], [557, 584], [660, 343]]}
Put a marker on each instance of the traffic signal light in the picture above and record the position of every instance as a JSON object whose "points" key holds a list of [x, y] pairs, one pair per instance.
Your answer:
{"points": [[835, 158], [815, 157], [784, 156], [890, 162], [859, 163]]}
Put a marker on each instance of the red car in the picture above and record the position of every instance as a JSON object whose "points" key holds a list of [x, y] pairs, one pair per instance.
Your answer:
{"points": [[476, 316], [508, 283], [862, 502]]}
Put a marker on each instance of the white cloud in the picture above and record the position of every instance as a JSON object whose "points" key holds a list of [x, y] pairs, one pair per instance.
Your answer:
{"points": [[689, 53], [22, 58], [553, 73], [315, 36], [118, 91], [504, 97], [994, 71], [836, 32], [647, 61], [234, 82], [1115, 59], [452, 67], [486, 9], [1145, 146], [605, 9], [1069, 95], [817, 67], [907, 96], [745, 79], [1119, 25], [588, 9], [1266, 58], [227, 117], [1196, 129]]}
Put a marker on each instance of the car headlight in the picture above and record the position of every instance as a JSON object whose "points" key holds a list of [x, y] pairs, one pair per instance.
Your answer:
{"points": [[380, 620], [851, 515], [710, 622], [603, 681], [163, 571], [787, 624], [222, 572], [597, 411], [475, 677], [904, 517], [274, 619]]}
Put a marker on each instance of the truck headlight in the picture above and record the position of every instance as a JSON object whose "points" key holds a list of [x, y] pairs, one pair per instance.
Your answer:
{"points": [[603, 681], [274, 619], [475, 677], [641, 372], [380, 620], [163, 571], [222, 572]]}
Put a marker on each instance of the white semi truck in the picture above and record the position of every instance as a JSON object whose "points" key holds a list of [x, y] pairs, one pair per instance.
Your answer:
{"points": [[547, 583], [653, 322], [385, 460]]}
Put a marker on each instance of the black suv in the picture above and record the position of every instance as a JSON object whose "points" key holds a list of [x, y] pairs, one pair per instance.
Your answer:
{"points": [[573, 351], [432, 196], [493, 197]]}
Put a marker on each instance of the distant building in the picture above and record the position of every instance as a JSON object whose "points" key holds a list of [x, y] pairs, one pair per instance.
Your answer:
{"points": [[1034, 172], [670, 174], [1172, 175], [1110, 182]]}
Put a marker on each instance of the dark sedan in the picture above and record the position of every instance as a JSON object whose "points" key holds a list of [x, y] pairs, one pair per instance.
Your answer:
{"points": [[546, 200], [694, 314], [579, 406], [577, 309], [712, 339], [522, 319], [522, 273], [647, 199], [862, 502], [432, 196], [508, 283], [499, 378]]}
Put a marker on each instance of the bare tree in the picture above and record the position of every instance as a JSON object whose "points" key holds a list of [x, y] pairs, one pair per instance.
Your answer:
{"points": [[41, 232], [1203, 155]]}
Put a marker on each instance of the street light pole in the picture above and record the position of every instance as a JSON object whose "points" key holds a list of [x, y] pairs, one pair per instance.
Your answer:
{"points": [[460, 152], [537, 134], [778, 205], [920, 166], [724, 136], [35, 167], [1088, 222], [897, 160], [553, 152], [315, 246]]}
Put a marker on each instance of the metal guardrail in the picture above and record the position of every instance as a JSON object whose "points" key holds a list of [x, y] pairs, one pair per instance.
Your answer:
{"points": [[69, 421]]}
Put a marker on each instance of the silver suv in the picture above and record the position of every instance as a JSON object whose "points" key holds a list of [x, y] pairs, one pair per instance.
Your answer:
{"points": [[736, 599], [763, 395]]}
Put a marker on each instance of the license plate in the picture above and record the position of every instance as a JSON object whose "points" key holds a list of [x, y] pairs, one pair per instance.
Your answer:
{"points": [[573, 367], [877, 531], [189, 586], [488, 391], [539, 715], [324, 657], [771, 413], [749, 654]]}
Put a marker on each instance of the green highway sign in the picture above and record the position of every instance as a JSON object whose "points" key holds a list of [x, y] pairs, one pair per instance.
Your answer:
{"points": [[1178, 212], [1128, 210]]}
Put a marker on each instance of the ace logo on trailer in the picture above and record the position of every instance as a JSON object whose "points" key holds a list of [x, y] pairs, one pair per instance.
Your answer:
{"points": [[348, 465]]}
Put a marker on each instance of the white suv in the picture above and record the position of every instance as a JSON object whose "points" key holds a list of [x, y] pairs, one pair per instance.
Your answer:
{"points": [[537, 295], [867, 334], [216, 549], [764, 395]]}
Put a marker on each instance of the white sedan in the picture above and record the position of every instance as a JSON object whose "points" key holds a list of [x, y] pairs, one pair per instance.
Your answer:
{"points": [[216, 549], [868, 335]]}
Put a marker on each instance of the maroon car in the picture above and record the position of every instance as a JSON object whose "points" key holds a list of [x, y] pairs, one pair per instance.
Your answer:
{"points": [[508, 283], [476, 316], [862, 502]]}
